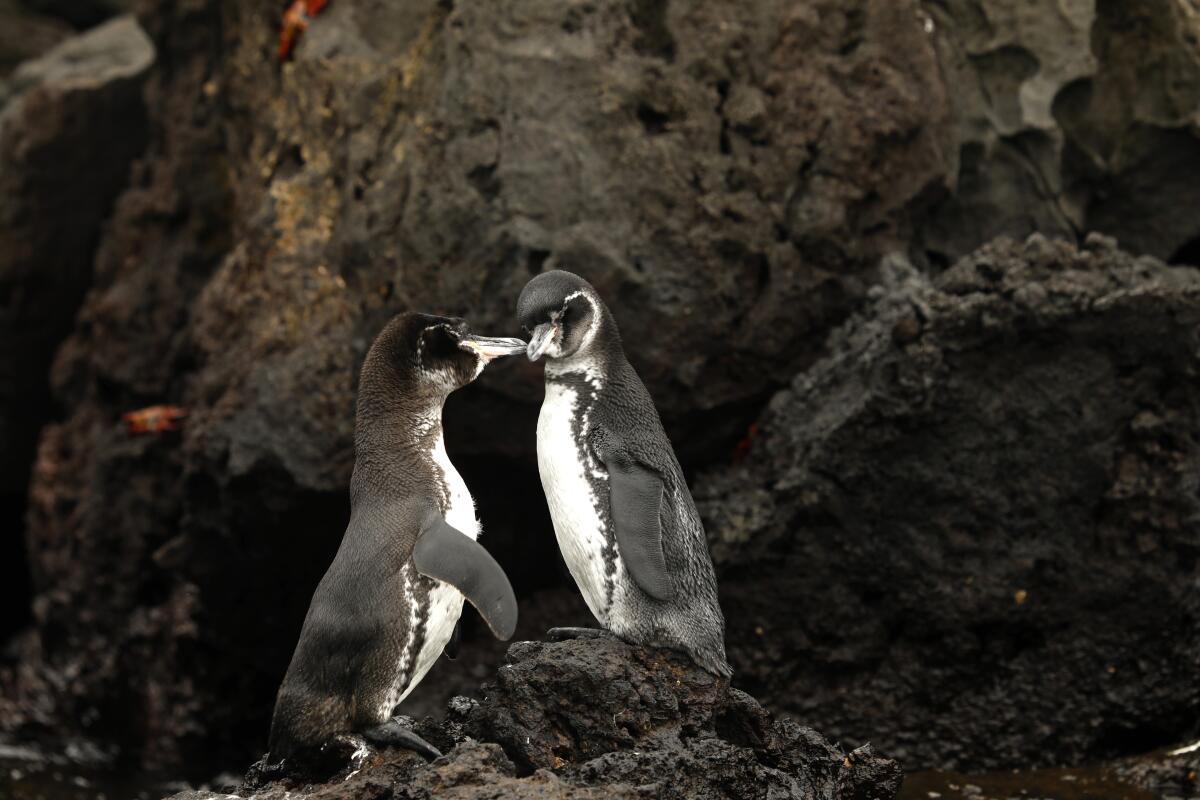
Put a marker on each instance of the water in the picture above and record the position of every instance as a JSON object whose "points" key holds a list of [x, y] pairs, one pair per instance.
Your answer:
{"points": [[1042, 784], [29, 774]]}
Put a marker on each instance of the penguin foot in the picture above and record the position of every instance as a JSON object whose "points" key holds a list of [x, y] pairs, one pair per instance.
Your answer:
{"points": [[562, 634], [397, 734]]}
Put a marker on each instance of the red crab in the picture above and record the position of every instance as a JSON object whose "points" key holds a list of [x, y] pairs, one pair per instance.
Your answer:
{"points": [[154, 419], [295, 20]]}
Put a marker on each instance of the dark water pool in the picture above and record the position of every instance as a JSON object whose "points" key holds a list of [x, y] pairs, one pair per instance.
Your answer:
{"points": [[1051, 784], [28, 774]]}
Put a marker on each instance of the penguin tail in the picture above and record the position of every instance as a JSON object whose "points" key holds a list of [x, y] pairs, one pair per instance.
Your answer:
{"points": [[297, 726], [712, 661]]}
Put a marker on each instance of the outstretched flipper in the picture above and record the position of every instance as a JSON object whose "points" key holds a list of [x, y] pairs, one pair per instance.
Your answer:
{"points": [[635, 501], [446, 553]]}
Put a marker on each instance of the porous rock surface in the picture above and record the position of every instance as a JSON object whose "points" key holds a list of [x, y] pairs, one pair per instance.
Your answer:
{"points": [[981, 510], [728, 175], [1070, 116], [70, 123], [586, 718], [708, 166]]}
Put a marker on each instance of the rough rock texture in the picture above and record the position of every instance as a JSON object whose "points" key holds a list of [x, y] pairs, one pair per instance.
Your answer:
{"points": [[1175, 773], [584, 719], [70, 123], [982, 512], [24, 35], [726, 174], [1071, 116], [80, 13]]}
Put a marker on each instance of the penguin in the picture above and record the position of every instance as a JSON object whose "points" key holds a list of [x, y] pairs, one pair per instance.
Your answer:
{"points": [[623, 516], [390, 601]]}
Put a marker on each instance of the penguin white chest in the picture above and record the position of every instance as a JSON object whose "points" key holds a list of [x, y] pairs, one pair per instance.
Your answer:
{"points": [[567, 477], [460, 507], [444, 603]]}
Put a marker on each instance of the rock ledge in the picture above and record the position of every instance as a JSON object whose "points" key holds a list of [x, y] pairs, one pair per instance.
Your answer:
{"points": [[605, 719]]}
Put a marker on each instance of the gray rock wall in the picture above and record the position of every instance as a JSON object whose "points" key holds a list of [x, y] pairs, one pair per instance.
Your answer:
{"points": [[729, 175]]}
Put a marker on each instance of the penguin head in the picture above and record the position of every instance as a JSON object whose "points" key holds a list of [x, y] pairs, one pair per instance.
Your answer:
{"points": [[435, 355], [562, 314]]}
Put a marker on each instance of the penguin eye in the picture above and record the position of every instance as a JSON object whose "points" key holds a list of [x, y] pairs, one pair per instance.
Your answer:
{"points": [[440, 340]]}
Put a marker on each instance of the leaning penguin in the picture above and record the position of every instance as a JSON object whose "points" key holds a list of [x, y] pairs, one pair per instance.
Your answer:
{"points": [[389, 603], [622, 513]]}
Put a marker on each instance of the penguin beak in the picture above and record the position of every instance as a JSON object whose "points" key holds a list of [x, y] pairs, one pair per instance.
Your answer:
{"points": [[543, 337], [490, 347]]}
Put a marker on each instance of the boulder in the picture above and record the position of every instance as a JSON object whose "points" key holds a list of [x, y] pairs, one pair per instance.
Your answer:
{"points": [[600, 718], [971, 533], [426, 156], [71, 121], [1070, 117]]}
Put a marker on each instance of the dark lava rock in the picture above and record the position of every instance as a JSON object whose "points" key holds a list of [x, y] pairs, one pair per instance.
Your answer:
{"points": [[25, 35], [972, 532], [727, 174], [71, 121], [80, 13], [1170, 773], [420, 155], [601, 718], [1070, 117]]}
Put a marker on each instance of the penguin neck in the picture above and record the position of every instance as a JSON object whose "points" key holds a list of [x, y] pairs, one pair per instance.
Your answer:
{"points": [[396, 434]]}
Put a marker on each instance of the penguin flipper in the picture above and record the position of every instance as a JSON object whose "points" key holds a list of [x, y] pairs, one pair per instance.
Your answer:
{"points": [[635, 501], [447, 554]]}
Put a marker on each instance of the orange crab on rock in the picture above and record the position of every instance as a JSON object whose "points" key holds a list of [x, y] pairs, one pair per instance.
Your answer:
{"points": [[295, 20], [154, 419]]}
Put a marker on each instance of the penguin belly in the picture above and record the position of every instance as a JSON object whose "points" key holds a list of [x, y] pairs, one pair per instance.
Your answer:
{"points": [[442, 604], [572, 481]]}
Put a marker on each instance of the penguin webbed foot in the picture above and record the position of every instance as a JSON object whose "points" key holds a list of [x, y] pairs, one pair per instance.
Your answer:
{"points": [[563, 634], [396, 734], [265, 771]]}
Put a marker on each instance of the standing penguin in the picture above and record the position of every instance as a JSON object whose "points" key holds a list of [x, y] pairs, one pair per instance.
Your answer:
{"points": [[390, 601], [623, 516]]}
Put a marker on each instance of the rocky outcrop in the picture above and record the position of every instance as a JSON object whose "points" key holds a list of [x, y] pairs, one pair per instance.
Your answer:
{"points": [[728, 175], [24, 35], [1070, 116], [71, 121], [981, 513], [710, 168], [603, 719], [80, 13]]}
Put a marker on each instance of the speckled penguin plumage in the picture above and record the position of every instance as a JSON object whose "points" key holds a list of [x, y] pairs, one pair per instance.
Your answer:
{"points": [[622, 512]]}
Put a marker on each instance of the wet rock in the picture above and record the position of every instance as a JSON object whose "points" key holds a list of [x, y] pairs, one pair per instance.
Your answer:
{"points": [[984, 530], [1174, 772], [603, 719]]}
